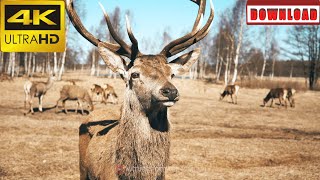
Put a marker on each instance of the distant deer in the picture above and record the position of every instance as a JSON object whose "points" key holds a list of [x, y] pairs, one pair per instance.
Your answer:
{"points": [[136, 146], [5, 77], [290, 96], [106, 92], [231, 90], [279, 93], [74, 93], [97, 91], [110, 94], [36, 89]]}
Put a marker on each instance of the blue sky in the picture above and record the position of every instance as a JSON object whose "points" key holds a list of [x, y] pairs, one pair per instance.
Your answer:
{"points": [[152, 17]]}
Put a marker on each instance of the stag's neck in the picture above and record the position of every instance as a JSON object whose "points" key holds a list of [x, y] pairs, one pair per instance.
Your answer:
{"points": [[143, 140], [149, 121]]}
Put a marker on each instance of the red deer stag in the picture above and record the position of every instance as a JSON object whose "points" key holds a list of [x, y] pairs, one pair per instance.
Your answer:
{"points": [[137, 145]]}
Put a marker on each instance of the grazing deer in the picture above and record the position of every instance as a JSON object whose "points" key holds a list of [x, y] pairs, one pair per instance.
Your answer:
{"points": [[230, 90], [110, 94], [97, 91], [137, 145], [280, 93], [290, 96], [36, 89], [74, 93]]}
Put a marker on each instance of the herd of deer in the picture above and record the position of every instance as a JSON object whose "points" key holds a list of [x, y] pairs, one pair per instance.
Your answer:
{"points": [[283, 94], [68, 92], [137, 145]]}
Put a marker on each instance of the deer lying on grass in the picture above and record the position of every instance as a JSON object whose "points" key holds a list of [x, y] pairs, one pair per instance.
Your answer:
{"points": [[136, 146], [110, 94], [279, 93], [36, 89], [74, 93], [230, 90]]}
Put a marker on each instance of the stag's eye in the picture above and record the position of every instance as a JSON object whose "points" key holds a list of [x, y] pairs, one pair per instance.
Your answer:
{"points": [[172, 76], [135, 75]]}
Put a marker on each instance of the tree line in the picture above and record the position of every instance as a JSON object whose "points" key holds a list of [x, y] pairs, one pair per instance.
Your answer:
{"points": [[227, 55]]}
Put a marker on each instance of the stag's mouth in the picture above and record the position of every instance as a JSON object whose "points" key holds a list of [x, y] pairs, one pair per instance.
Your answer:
{"points": [[168, 103]]}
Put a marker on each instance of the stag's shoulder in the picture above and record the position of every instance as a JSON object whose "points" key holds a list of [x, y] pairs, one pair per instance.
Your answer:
{"points": [[101, 121]]}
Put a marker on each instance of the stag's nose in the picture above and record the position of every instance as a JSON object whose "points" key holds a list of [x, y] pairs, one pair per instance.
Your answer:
{"points": [[169, 91]]}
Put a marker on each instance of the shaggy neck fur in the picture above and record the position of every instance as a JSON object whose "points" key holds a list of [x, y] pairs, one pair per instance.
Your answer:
{"points": [[143, 142]]}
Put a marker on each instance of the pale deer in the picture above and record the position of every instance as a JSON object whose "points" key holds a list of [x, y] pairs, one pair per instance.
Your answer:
{"points": [[36, 89], [137, 145], [231, 90], [290, 96], [74, 93]]}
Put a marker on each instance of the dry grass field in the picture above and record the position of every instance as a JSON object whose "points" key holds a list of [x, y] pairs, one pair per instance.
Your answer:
{"points": [[211, 139]]}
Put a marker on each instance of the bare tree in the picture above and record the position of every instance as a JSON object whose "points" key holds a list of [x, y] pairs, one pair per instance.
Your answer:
{"points": [[305, 43], [267, 43], [13, 63], [63, 58], [238, 28], [274, 52]]}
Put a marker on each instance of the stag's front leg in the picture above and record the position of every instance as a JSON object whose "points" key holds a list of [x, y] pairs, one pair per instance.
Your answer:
{"points": [[271, 102]]}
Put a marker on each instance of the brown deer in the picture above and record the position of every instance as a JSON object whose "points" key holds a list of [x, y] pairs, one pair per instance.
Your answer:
{"points": [[279, 93], [110, 94], [96, 91], [137, 145], [231, 90], [74, 93], [36, 89]]}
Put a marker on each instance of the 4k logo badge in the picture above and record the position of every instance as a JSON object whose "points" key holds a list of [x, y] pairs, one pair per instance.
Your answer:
{"points": [[32, 26]]}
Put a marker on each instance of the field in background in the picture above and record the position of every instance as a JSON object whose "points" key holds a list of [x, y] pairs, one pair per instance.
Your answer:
{"points": [[211, 139]]}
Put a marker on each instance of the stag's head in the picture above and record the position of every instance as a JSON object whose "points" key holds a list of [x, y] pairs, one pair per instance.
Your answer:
{"points": [[148, 76]]}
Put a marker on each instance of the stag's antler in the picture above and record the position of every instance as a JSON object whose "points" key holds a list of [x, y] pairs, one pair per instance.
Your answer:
{"points": [[121, 48], [132, 51], [195, 35]]}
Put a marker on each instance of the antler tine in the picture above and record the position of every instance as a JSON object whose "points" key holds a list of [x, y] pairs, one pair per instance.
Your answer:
{"points": [[125, 46], [200, 35], [134, 47], [74, 18], [196, 27], [201, 12]]}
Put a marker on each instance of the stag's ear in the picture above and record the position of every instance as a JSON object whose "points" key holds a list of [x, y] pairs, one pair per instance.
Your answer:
{"points": [[183, 63], [114, 61]]}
